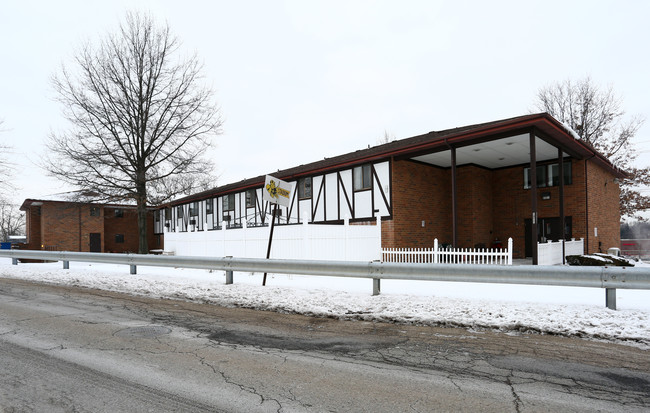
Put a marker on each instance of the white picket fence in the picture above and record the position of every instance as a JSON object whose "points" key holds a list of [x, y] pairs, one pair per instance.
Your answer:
{"points": [[436, 255], [348, 242], [550, 253]]}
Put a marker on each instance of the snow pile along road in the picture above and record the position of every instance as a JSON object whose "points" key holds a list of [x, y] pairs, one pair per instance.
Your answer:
{"points": [[550, 310]]}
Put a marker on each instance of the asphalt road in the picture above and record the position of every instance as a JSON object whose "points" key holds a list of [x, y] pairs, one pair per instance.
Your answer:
{"points": [[78, 350]]}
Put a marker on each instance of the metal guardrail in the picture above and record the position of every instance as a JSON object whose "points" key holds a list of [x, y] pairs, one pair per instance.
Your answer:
{"points": [[609, 278]]}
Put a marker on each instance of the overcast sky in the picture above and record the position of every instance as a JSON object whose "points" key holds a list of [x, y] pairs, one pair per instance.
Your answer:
{"points": [[301, 80]]}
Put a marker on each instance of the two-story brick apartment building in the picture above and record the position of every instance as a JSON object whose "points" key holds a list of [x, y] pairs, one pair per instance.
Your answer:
{"points": [[517, 178], [65, 225]]}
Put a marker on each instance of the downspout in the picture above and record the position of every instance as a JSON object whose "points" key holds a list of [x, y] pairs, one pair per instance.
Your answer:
{"points": [[560, 156]]}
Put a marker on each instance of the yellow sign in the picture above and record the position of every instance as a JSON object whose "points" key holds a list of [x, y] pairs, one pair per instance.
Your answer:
{"points": [[277, 191]]}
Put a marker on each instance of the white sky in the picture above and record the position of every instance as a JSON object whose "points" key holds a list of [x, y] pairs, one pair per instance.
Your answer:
{"points": [[301, 80]]}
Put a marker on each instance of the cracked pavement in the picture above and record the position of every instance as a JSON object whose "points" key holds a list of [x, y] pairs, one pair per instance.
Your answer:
{"points": [[66, 349]]}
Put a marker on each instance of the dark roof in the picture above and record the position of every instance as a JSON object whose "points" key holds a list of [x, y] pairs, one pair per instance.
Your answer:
{"points": [[39, 202], [546, 127]]}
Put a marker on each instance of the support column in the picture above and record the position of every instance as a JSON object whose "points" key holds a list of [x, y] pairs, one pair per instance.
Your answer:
{"points": [[610, 298], [560, 156], [454, 200], [533, 195], [376, 286]]}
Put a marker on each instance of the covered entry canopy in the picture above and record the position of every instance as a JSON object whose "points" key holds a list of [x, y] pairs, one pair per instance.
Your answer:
{"points": [[501, 144], [522, 141]]}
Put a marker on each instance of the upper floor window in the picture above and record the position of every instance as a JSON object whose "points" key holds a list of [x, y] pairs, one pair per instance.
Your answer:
{"points": [[250, 198], [228, 202], [548, 175], [168, 213], [179, 211], [94, 211], [119, 213], [119, 238], [156, 215], [304, 188], [208, 206], [362, 177], [194, 209]]}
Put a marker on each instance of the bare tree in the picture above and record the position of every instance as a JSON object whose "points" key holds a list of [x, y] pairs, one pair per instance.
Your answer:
{"points": [[5, 165], [141, 119], [12, 221], [386, 138], [595, 114]]}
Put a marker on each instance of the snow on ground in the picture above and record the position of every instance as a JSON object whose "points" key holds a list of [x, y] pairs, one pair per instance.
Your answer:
{"points": [[569, 311]]}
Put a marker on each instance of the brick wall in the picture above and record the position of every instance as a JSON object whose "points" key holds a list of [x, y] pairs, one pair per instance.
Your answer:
{"points": [[126, 225], [420, 193], [475, 206], [91, 224], [33, 227], [603, 210], [61, 226]]}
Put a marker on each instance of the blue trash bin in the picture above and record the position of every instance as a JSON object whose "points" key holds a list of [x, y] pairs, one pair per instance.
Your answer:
{"points": [[5, 245]]}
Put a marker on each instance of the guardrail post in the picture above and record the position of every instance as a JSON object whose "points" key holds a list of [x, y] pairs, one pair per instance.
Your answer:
{"points": [[14, 261], [66, 265], [376, 286], [610, 298], [229, 277], [134, 269]]}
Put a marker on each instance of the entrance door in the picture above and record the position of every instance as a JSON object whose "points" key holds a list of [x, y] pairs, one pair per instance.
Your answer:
{"points": [[548, 229], [95, 242]]}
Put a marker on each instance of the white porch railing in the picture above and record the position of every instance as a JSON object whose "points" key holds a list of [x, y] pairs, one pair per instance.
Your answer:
{"points": [[435, 255], [550, 253]]}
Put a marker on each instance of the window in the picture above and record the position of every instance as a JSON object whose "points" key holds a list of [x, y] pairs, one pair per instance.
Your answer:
{"points": [[549, 175], [119, 238], [179, 211], [208, 206], [94, 211], [119, 213], [168, 213], [228, 202], [251, 198], [194, 209], [362, 177], [156, 215], [304, 188]]}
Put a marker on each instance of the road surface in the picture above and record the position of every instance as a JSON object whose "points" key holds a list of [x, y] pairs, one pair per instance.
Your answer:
{"points": [[64, 349]]}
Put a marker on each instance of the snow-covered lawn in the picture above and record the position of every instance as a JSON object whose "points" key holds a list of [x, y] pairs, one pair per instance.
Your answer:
{"points": [[513, 308]]}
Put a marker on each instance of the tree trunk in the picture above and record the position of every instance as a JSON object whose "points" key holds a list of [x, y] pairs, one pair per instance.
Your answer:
{"points": [[143, 244]]}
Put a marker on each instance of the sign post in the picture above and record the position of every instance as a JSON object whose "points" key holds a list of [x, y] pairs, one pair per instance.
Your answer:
{"points": [[276, 192]]}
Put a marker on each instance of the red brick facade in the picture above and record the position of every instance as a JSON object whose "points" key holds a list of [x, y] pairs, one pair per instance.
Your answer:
{"points": [[493, 204], [67, 226], [603, 210]]}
